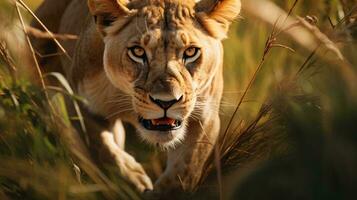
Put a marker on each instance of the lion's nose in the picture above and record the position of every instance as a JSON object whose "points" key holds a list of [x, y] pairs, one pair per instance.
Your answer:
{"points": [[165, 104]]}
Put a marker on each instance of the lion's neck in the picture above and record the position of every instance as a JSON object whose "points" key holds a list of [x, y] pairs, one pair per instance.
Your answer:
{"points": [[98, 91]]}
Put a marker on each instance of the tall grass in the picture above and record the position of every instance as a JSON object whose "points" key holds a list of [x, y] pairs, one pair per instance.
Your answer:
{"points": [[39, 158], [301, 132], [293, 135]]}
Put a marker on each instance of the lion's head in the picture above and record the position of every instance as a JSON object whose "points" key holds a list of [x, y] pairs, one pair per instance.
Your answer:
{"points": [[163, 54]]}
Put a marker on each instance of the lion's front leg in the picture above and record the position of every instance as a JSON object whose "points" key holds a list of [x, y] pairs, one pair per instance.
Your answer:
{"points": [[185, 164], [129, 168], [108, 148]]}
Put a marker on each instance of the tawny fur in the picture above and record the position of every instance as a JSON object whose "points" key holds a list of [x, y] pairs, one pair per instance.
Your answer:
{"points": [[118, 89]]}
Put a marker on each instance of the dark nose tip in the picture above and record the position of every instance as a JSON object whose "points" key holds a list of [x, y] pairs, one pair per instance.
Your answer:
{"points": [[165, 104]]}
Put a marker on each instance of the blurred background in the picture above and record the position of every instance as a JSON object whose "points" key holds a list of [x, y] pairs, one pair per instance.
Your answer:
{"points": [[292, 137]]}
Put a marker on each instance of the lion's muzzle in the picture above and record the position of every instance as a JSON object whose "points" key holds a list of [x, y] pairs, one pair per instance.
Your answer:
{"points": [[165, 123]]}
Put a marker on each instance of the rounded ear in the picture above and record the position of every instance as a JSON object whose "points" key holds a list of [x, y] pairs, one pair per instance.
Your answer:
{"points": [[105, 12], [217, 15]]}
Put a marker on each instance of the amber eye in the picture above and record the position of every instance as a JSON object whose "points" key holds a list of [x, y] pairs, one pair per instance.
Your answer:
{"points": [[137, 54], [191, 54], [138, 51]]}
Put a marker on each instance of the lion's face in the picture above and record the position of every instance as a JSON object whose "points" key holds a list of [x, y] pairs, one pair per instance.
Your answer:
{"points": [[162, 57]]}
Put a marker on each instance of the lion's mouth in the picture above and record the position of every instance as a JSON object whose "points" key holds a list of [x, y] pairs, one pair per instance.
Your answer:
{"points": [[162, 124]]}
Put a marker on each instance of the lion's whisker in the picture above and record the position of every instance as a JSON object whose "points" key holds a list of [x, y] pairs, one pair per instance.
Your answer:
{"points": [[118, 112]]}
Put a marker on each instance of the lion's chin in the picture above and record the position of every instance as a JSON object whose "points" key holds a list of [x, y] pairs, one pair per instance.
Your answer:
{"points": [[164, 139]]}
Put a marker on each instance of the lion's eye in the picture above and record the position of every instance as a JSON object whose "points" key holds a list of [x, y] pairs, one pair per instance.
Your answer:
{"points": [[191, 54], [137, 54]]}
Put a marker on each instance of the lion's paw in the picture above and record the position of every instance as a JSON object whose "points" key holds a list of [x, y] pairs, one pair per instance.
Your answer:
{"points": [[134, 172], [129, 168]]}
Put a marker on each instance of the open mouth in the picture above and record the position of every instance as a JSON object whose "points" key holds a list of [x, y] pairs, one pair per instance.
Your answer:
{"points": [[162, 124]]}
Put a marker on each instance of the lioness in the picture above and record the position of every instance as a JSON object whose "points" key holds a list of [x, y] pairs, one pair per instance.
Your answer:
{"points": [[156, 64]]}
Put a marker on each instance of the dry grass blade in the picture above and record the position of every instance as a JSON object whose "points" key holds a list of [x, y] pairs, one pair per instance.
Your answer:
{"points": [[306, 62], [82, 156], [221, 148], [321, 37], [33, 55], [68, 88], [93, 172], [247, 132], [268, 12], [242, 99], [44, 27], [48, 55], [347, 5], [268, 46], [8, 60], [45, 35], [300, 30], [39, 72], [224, 149], [323, 41], [217, 159]]}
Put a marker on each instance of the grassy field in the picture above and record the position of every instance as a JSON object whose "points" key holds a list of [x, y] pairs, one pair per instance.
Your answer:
{"points": [[294, 136]]}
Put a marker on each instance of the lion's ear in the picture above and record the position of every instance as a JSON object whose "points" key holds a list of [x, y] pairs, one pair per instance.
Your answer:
{"points": [[106, 12], [217, 15]]}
